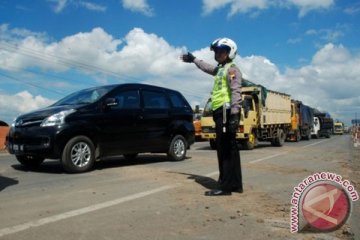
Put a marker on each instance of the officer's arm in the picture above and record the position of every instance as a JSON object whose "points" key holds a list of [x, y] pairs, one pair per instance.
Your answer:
{"points": [[234, 79], [208, 68]]}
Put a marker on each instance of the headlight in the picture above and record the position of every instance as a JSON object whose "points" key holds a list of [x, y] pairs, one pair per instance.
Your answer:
{"points": [[56, 119], [14, 122]]}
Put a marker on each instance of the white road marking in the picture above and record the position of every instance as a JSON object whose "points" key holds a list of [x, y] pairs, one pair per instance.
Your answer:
{"points": [[92, 208], [282, 153], [268, 157], [315, 143], [81, 211]]}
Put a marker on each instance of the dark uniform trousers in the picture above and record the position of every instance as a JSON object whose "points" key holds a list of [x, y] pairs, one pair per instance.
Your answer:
{"points": [[230, 178]]}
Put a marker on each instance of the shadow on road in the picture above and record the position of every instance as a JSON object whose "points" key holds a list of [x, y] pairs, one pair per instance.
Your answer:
{"points": [[204, 181], [6, 182], [119, 161]]}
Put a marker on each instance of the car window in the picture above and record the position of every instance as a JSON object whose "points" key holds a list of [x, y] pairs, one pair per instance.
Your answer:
{"points": [[154, 99], [177, 101], [84, 96], [127, 100]]}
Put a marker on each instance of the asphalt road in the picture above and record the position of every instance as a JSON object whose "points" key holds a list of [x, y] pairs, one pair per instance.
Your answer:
{"points": [[152, 198]]}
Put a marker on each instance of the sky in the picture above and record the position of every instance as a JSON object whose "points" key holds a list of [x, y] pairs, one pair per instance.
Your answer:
{"points": [[309, 49]]}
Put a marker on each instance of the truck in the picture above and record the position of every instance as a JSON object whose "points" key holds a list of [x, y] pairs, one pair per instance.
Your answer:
{"points": [[265, 116], [323, 125], [339, 128], [302, 121]]}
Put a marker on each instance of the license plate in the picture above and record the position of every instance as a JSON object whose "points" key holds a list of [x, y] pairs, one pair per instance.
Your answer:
{"points": [[17, 147]]}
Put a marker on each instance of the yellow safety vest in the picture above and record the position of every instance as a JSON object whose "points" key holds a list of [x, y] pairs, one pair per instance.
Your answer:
{"points": [[221, 92]]}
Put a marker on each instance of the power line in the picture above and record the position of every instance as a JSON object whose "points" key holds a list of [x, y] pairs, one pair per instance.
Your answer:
{"points": [[71, 63], [31, 84]]}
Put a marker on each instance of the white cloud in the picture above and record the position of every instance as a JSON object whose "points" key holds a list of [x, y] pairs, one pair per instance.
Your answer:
{"points": [[329, 82], [237, 6], [353, 10], [138, 6], [328, 34], [18, 34], [306, 6], [255, 6], [92, 6], [21, 102], [60, 5], [211, 5]]}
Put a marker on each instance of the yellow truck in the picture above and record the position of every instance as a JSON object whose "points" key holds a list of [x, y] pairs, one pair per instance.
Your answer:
{"points": [[265, 116], [339, 128], [302, 121]]}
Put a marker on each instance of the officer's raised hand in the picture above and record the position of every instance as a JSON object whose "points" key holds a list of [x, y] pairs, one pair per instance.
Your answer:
{"points": [[234, 122], [189, 58]]}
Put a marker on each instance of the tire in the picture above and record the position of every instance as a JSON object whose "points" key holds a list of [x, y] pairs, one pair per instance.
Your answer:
{"points": [[279, 139], [212, 144], [250, 143], [177, 148], [316, 135], [78, 155], [30, 161], [130, 156], [308, 135]]}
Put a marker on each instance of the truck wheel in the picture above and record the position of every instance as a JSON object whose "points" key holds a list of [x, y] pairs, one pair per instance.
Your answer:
{"points": [[308, 135], [250, 143], [279, 139], [29, 161], [78, 155], [177, 148], [212, 144], [316, 135]]}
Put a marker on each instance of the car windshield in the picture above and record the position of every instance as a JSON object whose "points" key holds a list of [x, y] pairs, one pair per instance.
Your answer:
{"points": [[85, 96]]}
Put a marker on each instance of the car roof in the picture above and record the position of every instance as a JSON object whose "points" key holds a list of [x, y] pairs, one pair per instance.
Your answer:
{"points": [[142, 85]]}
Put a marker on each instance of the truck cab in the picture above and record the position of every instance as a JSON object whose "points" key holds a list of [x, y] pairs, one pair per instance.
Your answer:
{"points": [[265, 116], [316, 128], [339, 128]]}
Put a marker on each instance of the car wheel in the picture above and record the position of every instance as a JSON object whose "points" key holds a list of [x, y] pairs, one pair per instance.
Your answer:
{"points": [[29, 161], [177, 148], [78, 155]]}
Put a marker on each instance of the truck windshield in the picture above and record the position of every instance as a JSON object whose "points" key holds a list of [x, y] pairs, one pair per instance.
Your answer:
{"points": [[85, 96], [207, 110]]}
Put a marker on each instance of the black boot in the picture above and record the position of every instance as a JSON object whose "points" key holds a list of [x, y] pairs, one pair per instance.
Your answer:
{"points": [[217, 192]]}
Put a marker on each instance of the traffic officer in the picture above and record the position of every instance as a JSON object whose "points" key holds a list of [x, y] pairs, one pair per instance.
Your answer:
{"points": [[226, 103]]}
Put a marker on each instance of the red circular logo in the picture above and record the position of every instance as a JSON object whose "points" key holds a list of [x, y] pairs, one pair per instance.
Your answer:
{"points": [[326, 207]]}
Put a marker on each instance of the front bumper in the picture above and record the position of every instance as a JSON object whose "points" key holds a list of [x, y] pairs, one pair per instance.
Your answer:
{"points": [[36, 141]]}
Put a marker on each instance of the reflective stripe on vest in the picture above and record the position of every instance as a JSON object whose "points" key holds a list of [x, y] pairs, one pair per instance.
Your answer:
{"points": [[221, 91]]}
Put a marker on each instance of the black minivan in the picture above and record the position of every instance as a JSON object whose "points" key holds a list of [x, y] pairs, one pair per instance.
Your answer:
{"points": [[123, 119]]}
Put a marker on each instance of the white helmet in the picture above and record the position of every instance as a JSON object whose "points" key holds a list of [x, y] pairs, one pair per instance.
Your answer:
{"points": [[225, 43]]}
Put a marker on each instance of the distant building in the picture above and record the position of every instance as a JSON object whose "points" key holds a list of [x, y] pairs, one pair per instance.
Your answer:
{"points": [[4, 129]]}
